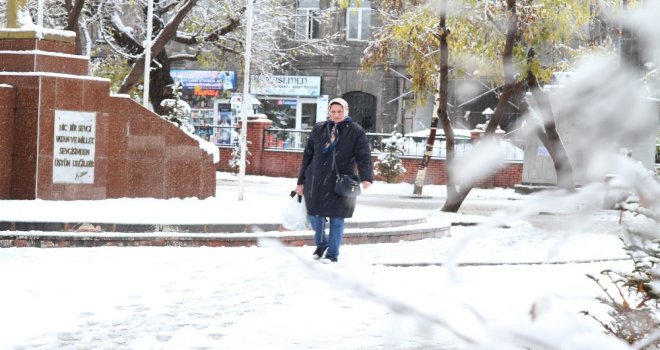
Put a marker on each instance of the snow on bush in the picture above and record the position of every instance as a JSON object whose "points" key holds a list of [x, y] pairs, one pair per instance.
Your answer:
{"points": [[389, 164]]}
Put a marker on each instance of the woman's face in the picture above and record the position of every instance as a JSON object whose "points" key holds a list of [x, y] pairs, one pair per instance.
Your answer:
{"points": [[337, 113]]}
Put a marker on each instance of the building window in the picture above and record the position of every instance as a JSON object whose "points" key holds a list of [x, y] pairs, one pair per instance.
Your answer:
{"points": [[358, 20], [307, 23]]}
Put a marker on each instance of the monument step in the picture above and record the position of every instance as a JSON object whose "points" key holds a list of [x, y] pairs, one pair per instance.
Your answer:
{"points": [[43, 61]]}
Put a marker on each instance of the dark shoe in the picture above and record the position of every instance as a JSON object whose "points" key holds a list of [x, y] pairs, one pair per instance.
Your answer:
{"points": [[318, 253], [329, 260]]}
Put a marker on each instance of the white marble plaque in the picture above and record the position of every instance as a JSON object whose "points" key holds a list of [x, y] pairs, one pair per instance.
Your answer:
{"points": [[73, 147]]}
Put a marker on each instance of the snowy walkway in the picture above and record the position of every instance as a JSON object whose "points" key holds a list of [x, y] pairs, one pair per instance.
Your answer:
{"points": [[271, 297]]}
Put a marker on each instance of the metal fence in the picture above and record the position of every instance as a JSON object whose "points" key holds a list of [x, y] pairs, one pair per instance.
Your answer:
{"points": [[295, 140], [416, 145], [286, 139], [219, 135]]}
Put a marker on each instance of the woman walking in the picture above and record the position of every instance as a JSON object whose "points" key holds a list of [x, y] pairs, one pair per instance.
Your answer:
{"points": [[334, 146]]}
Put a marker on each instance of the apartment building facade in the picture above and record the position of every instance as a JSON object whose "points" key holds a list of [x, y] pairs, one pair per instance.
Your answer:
{"points": [[297, 98], [380, 100]]}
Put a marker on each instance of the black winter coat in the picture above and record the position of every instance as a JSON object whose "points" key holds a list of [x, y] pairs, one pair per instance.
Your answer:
{"points": [[318, 176]]}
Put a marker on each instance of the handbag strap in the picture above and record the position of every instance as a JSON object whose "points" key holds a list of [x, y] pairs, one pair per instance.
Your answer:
{"points": [[334, 163]]}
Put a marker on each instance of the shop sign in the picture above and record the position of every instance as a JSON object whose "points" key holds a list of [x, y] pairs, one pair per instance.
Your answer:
{"points": [[74, 145], [198, 91], [285, 85], [205, 82], [287, 102]]}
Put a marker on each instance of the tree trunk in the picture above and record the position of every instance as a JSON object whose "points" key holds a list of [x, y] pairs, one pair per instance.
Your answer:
{"points": [[454, 202], [428, 151], [549, 136], [441, 107], [160, 87], [135, 75], [73, 19]]}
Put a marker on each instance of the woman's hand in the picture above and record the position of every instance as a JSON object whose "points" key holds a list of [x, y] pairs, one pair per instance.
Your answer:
{"points": [[300, 189], [365, 184]]}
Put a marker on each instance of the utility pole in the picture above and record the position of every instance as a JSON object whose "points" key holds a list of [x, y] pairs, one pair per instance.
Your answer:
{"points": [[147, 54], [246, 99], [40, 13]]}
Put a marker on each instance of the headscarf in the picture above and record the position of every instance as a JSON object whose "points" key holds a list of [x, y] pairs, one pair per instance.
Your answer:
{"points": [[341, 102], [333, 131]]}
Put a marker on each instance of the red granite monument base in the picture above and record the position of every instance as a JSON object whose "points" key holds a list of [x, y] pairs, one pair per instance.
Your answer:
{"points": [[63, 136]]}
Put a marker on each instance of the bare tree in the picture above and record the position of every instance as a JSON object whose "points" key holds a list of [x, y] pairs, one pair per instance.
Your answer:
{"points": [[212, 33], [209, 32]]}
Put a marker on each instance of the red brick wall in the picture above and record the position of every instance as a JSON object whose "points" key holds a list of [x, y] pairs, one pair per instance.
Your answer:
{"points": [[281, 163], [509, 175], [7, 97], [255, 136]]}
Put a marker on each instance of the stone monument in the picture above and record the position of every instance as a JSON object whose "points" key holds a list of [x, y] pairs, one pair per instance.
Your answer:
{"points": [[64, 136]]}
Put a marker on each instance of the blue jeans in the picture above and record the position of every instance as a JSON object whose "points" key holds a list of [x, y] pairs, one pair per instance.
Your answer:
{"points": [[322, 240]]}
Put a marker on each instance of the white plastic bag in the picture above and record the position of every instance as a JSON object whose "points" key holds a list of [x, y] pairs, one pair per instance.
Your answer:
{"points": [[294, 216]]}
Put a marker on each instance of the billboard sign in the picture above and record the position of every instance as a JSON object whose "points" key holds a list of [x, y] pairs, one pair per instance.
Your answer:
{"points": [[205, 82], [285, 85]]}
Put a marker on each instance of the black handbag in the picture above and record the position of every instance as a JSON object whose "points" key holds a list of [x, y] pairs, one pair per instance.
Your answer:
{"points": [[346, 185]]}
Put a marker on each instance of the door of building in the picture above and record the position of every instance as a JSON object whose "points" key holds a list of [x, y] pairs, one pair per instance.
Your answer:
{"points": [[362, 108], [307, 110]]}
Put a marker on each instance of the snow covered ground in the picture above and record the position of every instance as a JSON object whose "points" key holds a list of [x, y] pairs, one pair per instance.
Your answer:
{"points": [[470, 290]]}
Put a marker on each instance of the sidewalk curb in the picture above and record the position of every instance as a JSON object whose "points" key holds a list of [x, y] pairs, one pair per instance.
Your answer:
{"points": [[88, 236], [184, 228]]}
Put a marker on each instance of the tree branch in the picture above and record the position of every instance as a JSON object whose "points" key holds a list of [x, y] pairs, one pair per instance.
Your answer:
{"points": [[74, 14], [134, 77]]}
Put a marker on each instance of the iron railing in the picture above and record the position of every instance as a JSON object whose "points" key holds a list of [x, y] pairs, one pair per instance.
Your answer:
{"points": [[295, 140], [219, 135], [285, 139]]}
